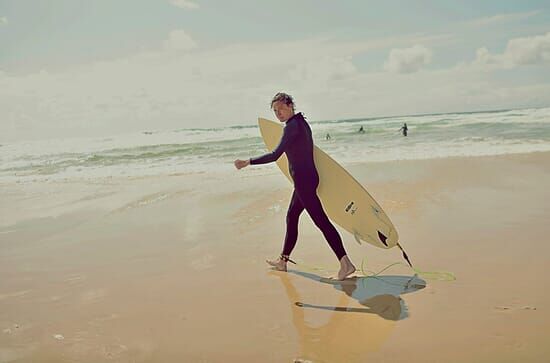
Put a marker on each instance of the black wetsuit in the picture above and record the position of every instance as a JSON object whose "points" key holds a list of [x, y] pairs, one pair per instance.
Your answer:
{"points": [[297, 144]]}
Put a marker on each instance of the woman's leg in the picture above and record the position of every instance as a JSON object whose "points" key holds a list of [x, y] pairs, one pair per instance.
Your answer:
{"points": [[312, 204], [292, 217]]}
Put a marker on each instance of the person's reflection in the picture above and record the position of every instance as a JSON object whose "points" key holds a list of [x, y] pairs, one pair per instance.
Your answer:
{"points": [[379, 295], [351, 333]]}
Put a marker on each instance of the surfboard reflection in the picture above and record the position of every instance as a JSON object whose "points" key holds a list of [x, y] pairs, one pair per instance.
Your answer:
{"points": [[379, 294], [350, 333]]}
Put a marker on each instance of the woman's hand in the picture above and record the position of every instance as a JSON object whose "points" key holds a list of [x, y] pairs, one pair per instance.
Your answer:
{"points": [[239, 164]]}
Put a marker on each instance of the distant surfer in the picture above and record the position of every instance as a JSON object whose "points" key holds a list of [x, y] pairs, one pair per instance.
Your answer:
{"points": [[405, 129], [361, 130], [297, 144], [327, 137]]}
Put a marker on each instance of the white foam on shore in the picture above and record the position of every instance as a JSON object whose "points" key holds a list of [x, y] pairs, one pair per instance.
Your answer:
{"points": [[213, 150]]}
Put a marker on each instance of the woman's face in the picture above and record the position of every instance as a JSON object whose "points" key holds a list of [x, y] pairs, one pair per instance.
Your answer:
{"points": [[283, 111]]}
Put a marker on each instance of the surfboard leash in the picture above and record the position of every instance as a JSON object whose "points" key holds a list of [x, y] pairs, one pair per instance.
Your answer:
{"points": [[405, 255], [429, 275], [432, 275]]}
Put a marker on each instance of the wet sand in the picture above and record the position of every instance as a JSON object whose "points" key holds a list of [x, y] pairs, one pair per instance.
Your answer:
{"points": [[171, 269]]}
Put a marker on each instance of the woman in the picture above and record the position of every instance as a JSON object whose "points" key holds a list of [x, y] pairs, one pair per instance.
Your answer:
{"points": [[297, 144]]}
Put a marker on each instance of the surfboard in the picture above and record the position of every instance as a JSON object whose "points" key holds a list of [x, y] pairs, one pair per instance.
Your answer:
{"points": [[345, 201]]}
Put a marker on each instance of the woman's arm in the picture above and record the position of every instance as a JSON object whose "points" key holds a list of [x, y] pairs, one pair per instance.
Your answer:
{"points": [[289, 134]]}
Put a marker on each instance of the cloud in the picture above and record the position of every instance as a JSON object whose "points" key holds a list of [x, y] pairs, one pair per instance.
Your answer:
{"points": [[483, 56], [529, 50], [170, 88], [502, 18], [3, 20], [518, 52], [324, 69], [185, 4], [232, 84], [179, 40], [408, 60]]}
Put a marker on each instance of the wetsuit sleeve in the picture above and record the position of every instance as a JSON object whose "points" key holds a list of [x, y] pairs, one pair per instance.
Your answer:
{"points": [[289, 134]]}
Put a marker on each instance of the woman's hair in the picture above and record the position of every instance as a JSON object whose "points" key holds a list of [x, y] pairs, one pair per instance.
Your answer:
{"points": [[283, 97]]}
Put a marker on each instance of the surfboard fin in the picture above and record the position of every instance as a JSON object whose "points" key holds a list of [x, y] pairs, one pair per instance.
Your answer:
{"points": [[405, 255], [382, 238]]}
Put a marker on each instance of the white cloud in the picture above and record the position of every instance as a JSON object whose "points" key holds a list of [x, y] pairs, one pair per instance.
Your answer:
{"points": [[324, 69], [483, 56], [529, 50], [179, 40], [3, 20], [518, 52], [172, 89], [502, 18], [185, 4], [408, 60]]}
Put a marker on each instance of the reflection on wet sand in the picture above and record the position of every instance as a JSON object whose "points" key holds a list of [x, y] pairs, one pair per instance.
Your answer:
{"points": [[351, 333]]}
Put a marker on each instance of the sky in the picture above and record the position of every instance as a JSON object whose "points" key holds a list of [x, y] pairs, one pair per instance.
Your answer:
{"points": [[72, 68]]}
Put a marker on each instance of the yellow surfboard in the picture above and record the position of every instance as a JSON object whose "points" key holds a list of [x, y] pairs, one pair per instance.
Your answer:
{"points": [[344, 199]]}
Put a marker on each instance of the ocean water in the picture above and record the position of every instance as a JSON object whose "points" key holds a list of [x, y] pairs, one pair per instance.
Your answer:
{"points": [[214, 149]]}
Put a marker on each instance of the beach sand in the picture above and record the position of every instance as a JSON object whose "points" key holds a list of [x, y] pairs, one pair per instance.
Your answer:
{"points": [[171, 269]]}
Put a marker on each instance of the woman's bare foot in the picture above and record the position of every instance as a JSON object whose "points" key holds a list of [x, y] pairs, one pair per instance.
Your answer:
{"points": [[279, 264], [346, 268]]}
